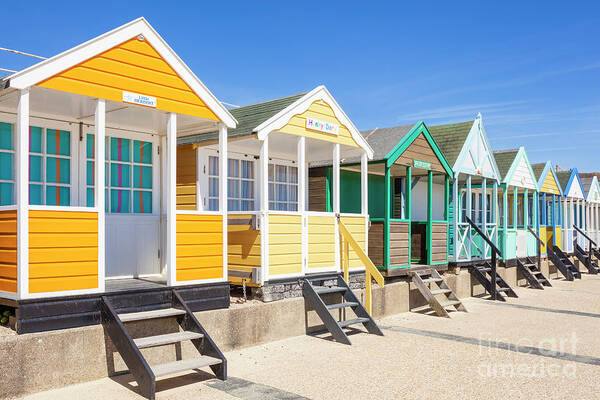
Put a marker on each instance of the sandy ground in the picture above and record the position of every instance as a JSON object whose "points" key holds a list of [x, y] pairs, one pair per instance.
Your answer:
{"points": [[545, 344]]}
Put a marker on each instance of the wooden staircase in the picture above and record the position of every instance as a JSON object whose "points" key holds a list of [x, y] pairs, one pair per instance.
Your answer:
{"points": [[313, 289], [485, 274], [446, 298], [118, 310], [586, 259], [563, 263], [532, 274]]}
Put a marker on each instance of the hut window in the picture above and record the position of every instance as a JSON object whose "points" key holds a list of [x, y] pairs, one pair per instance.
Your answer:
{"points": [[283, 187], [488, 210], [529, 211], [240, 185], [549, 212], [463, 207], [399, 202], [49, 167], [7, 164], [213, 183], [500, 209], [520, 210]]}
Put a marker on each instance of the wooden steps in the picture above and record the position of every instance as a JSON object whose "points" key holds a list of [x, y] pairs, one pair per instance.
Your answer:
{"points": [[586, 259], [440, 306], [129, 348], [499, 289], [563, 263], [530, 271], [313, 288]]}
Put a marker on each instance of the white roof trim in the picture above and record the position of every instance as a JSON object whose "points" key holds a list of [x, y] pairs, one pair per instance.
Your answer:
{"points": [[476, 130], [67, 59], [280, 119]]}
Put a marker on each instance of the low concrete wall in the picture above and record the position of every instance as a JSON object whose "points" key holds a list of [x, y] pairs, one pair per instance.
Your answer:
{"points": [[41, 361]]}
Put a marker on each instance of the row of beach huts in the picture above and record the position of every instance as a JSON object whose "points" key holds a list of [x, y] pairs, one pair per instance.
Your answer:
{"points": [[200, 198]]}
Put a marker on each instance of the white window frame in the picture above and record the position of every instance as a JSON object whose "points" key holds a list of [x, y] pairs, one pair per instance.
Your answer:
{"points": [[156, 168], [287, 164], [13, 181]]}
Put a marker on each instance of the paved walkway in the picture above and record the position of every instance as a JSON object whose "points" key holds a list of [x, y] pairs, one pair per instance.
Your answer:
{"points": [[545, 344]]}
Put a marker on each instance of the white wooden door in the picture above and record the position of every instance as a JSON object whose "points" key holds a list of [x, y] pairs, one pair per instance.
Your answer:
{"points": [[132, 205]]}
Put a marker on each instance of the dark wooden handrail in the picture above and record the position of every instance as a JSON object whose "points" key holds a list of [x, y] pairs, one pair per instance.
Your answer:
{"points": [[535, 235], [584, 235], [540, 243], [484, 236]]}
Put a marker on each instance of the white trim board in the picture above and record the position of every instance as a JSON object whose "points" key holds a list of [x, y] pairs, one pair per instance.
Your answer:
{"points": [[479, 162]]}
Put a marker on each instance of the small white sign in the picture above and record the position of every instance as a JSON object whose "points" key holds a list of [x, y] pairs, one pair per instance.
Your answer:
{"points": [[141, 99], [322, 126]]}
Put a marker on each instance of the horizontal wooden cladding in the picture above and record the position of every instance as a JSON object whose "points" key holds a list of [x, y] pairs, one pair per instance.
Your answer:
{"points": [[399, 243], [132, 66], [321, 241], [356, 227], [376, 242], [285, 244], [420, 150], [243, 248], [186, 178], [321, 111], [199, 250], [439, 242], [63, 251], [8, 251]]}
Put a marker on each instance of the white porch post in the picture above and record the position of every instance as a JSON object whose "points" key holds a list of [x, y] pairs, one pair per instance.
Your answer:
{"points": [[364, 194], [336, 201], [565, 223], [99, 200], [484, 214], [263, 163], [495, 211], [456, 210], [223, 195], [469, 242], [171, 199], [571, 235], [22, 193], [301, 159]]}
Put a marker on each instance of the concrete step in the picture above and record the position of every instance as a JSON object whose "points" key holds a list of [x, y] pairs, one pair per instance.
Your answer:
{"points": [[341, 305], [168, 338], [184, 365], [141, 315], [450, 303], [325, 290], [354, 321], [440, 291]]}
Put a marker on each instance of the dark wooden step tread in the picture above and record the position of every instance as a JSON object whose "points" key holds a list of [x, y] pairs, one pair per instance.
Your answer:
{"points": [[142, 315], [184, 365], [354, 321], [342, 305], [333, 289], [503, 289], [168, 338]]}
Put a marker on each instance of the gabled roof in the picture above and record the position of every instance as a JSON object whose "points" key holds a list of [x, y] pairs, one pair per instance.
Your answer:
{"points": [[569, 178], [467, 148], [383, 140], [541, 171], [46, 69], [264, 118], [505, 159], [451, 138], [591, 188], [564, 177], [248, 118]]}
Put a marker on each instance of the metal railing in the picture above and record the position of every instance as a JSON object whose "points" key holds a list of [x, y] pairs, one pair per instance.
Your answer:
{"points": [[495, 251], [371, 271]]}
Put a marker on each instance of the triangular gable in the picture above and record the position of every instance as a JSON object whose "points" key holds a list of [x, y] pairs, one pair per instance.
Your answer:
{"points": [[304, 118], [476, 156], [123, 64], [593, 194], [574, 187], [419, 146], [548, 182], [520, 173]]}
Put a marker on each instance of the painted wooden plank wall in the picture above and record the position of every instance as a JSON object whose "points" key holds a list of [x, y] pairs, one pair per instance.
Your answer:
{"points": [[132, 66], [199, 247], [321, 241], [356, 226], [8, 251], [186, 177], [243, 249], [285, 244], [549, 185], [522, 177], [376, 243], [439, 241], [63, 251], [322, 111], [420, 150], [559, 237], [543, 238], [399, 243]]}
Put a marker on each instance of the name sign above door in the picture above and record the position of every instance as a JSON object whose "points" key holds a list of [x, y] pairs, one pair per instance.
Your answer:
{"points": [[140, 99]]}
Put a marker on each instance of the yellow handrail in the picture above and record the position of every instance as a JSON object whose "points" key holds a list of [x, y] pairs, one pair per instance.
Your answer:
{"points": [[371, 271]]}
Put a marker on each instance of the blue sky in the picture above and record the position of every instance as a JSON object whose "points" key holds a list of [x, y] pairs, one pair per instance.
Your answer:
{"points": [[532, 69]]}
